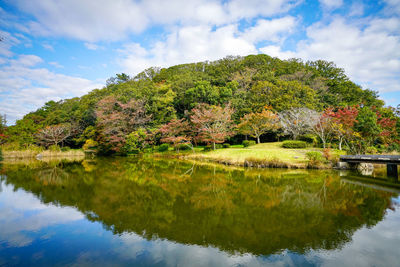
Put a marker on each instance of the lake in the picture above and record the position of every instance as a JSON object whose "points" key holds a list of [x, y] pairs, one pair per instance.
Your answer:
{"points": [[157, 212]]}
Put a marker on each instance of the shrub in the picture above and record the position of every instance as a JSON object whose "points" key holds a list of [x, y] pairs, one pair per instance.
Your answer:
{"points": [[335, 159], [218, 146], [309, 138], [226, 145], [182, 147], [294, 144], [247, 143], [65, 148], [1, 154], [90, 145], [133, 151], [208, 148], [393, 147], [163, 147], [54, 148], [327, 153], [315, 158], [371, 150]]}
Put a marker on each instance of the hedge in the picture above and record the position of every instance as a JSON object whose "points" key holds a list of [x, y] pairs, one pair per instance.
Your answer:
{"points": [[247, 143], [294, 144]]}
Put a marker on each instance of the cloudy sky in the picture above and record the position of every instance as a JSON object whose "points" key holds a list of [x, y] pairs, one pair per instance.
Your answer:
{"points": [[55, 49]]}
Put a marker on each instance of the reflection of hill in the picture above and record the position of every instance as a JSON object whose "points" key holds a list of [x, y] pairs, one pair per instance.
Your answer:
{"points": [[261, 212]]}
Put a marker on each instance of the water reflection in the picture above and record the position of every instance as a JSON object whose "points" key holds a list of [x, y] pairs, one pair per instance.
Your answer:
{"points": [[182, 213]]}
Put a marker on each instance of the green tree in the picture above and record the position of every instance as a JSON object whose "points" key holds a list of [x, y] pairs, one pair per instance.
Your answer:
{"points": [[257, 124]]}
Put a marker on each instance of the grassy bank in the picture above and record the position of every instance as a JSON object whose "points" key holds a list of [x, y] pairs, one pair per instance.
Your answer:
{"points": [[263, 155], [21, 154]]}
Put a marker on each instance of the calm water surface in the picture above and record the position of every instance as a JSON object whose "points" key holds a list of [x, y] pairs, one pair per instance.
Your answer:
{"points": [[148, 212]]}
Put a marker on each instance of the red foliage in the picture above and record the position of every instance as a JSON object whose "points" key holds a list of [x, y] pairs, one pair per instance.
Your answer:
{"points": [[213, 123], [176, 131], [116, 120], [345, 116]]}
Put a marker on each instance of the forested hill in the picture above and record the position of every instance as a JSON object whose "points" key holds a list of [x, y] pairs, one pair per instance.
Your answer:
{"points": [[248, 84]]}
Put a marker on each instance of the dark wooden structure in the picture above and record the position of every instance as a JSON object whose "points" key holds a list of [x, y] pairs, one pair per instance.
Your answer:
{"points": [[391, 161]]}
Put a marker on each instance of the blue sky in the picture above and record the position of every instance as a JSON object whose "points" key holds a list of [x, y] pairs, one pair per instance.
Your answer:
{"points": [[55, 49]]}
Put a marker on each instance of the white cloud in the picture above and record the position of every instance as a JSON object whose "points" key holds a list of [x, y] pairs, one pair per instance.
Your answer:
{"points": [[270, 30], [25, 86], [7, 41], [357, 9], [331, 4], [56, 64], [392, 7], [186, 44], [114, 20], [92, 46], [369, 53], [48, 47], [21, 212], [275, 51]]}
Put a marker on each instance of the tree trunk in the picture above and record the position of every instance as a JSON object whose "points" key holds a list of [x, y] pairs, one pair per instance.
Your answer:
{"points": [[340, 143], [258, 139], [214, 145]]}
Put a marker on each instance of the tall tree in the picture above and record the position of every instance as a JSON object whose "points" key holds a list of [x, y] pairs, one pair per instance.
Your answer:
{"points": [[257, 124], [323, 126], [116, 120], [177, 132], [343, 121], [298, 121], [3, 128], [213, 123], [54, 134]]}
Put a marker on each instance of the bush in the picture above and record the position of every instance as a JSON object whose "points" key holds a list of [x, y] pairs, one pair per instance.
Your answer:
{"points": [[393, 147], [371, 150], [90, 145], [226, 145], [218, 146], [247, 143], [315, 158], [294, 144], [180, 147], [327, 153], [65, 148], [133, 151], [163, 147], [309, 138], [1, 154], [54, 148], [208, 148]]}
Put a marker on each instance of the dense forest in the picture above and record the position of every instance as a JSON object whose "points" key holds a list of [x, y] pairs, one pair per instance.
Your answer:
{"points": [[207, 103]]}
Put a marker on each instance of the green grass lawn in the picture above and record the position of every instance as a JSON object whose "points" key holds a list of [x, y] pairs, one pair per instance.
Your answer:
{"points": [[265, 151]]}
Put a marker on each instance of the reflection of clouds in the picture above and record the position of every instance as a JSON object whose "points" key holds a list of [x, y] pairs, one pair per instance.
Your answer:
{"points": [[377, 246], [166, 253], [21, 211]]}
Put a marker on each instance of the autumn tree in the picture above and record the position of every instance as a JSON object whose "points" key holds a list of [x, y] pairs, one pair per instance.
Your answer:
{"points": [[3, 127], [387, 122], [257, 124], [343, 121], [323, 126], [213, 123], [116, 120], [54, 134], [298, 121], [177, 132]]}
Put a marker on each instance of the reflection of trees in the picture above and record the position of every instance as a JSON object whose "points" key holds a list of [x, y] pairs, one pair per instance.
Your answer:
{"points": [[261, 212]]}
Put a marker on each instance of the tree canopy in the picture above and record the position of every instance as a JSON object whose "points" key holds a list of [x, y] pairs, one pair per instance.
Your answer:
{"points": [[158, 96]]}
